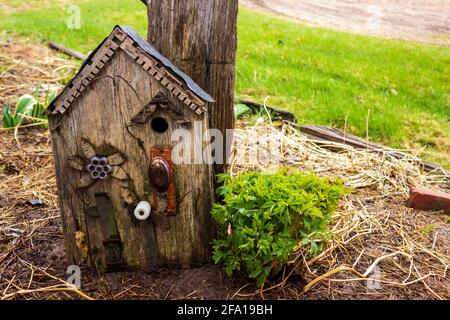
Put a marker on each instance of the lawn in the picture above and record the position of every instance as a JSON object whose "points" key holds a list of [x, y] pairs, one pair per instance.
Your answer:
{"points": [[400, 89]]}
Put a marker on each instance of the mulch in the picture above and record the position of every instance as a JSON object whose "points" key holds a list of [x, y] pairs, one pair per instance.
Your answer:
{"points": [[373, 228]]}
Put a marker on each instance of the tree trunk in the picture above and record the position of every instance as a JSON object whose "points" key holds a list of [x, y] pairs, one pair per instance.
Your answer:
{"points": [[200, 38]]}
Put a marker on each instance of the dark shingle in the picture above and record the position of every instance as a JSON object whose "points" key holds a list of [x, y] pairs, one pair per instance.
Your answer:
{"points": [[150, 50], [147, 47]]}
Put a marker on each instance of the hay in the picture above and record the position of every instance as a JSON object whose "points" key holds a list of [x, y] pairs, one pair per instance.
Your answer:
{"points": [[372, 228], [26, 172], [18, 76], [264, 147]]}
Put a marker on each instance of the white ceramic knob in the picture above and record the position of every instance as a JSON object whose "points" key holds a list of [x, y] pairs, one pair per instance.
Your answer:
{"points": [[142, 211]]}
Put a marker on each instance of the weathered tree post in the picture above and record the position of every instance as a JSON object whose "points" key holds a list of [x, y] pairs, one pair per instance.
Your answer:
{"points": [[200, 37], [129, 199]]}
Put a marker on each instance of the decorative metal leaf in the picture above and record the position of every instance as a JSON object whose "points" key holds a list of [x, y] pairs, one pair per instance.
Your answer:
{"points": [[81, 244], [87, 149], [84, 181], [119, 173], [128, 195], [145, 114], [116, 159], [186, 124], [77, 163], [160, 98]]}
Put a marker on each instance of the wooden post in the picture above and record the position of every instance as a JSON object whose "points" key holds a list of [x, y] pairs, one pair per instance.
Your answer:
{"points": [[200, 37]]}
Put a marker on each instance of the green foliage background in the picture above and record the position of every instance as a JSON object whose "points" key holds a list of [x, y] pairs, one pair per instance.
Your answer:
{"points": [[401, 89]]}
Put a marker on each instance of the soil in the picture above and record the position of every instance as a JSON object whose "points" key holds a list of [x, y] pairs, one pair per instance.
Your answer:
{"points": [[32, 257], [38, 251], [417, 20]]}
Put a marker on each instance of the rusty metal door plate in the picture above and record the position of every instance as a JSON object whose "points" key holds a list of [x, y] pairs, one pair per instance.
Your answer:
{"points": [[162, 178]]}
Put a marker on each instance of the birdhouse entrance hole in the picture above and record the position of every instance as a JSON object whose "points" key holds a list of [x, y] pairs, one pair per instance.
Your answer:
{"points": [[159, 125]]}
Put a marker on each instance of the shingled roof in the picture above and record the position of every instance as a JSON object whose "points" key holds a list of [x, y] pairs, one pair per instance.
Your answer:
{"points": [[125, 38]]}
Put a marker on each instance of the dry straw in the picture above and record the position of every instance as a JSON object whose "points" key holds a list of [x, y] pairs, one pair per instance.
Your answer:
{"points": [[19, 76], [380, 248]]}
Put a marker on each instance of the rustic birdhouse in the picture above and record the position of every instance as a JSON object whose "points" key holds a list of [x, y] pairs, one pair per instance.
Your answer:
{"points": [[127, 200]]}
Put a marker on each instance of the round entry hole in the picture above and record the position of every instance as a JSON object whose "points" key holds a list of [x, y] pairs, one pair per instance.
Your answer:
{"points": [[159, 125]]}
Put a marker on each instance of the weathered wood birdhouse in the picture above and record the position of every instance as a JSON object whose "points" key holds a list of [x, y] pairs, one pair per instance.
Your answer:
{"points": [[127, 200]]}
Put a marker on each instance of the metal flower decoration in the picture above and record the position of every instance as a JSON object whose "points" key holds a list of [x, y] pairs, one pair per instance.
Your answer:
{"points": [[94, 166], [99, 168]]}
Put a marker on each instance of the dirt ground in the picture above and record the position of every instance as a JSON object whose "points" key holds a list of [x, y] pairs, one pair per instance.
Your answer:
{"points": [[418, 20], [33, 264], [372, 227]]}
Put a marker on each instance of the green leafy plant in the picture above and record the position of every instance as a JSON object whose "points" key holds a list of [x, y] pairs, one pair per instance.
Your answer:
{"points": [[38, 113], [428, 229], [264, 217], [252, 116], [28, 107], [240, 109], [23, 107]]}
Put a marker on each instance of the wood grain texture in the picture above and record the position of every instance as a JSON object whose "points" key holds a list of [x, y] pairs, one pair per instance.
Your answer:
{"points": [[102, 115], [200, 37]]}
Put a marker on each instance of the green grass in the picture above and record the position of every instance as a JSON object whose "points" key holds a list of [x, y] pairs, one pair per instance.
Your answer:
{"points": [[98, 17], [323, 76]]}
